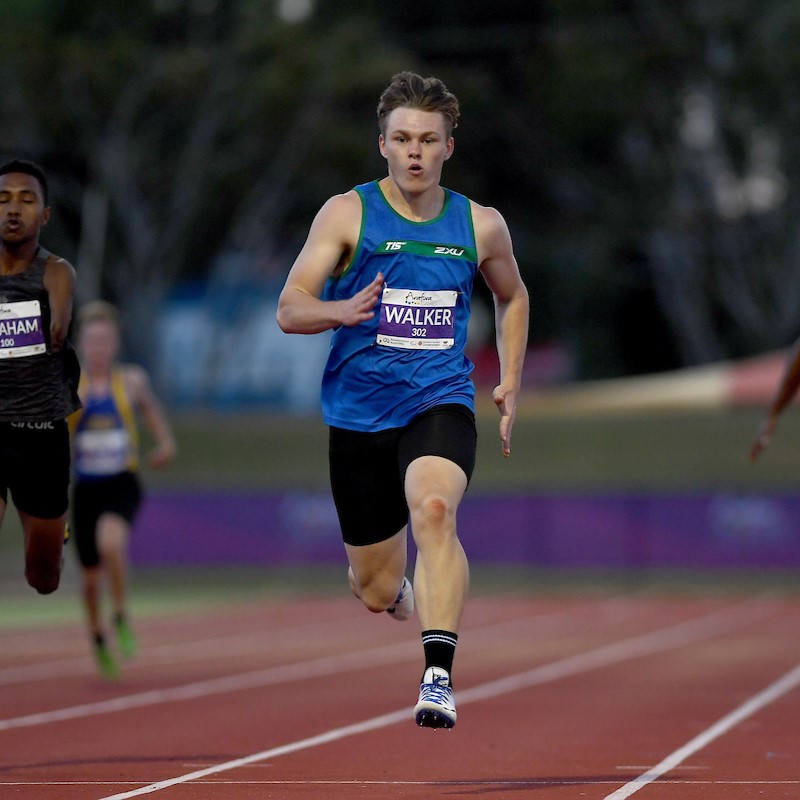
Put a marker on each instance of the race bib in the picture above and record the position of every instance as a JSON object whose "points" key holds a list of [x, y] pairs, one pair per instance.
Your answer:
{"points": [[102, 452], [21, 330], [417, 320]]}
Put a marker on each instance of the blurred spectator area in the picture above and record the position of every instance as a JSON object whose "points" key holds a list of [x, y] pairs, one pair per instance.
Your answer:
{"points": [[220, 347]]}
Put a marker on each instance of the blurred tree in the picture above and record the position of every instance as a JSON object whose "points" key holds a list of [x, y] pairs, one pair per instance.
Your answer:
{"points": [[642, 152], [177, 128], [723, 245]]}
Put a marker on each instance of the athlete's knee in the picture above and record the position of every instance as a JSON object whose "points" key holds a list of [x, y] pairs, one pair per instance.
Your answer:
{"points": [[376, 593], [44, 579], [433, 509]]}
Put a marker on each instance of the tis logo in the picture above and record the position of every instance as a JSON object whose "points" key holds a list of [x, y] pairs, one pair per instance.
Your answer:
{"points": [[394, 245]]}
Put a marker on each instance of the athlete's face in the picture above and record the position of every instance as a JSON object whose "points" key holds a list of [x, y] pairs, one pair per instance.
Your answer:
{"points": [[98, 344], [415, 147], [22, 208]]}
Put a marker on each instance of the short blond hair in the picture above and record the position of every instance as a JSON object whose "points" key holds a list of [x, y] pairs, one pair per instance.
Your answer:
{"points": [[409, 90], [98, 311]]}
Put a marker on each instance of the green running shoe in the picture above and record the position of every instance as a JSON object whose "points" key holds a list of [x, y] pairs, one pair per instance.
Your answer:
{"points": [[126, 639], [105, 661]]}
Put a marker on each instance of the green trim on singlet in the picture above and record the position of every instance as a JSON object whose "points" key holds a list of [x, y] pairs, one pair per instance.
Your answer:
{"points": [[357, 248], [391, 247], [417, 248], [412, 221], [472, 229]]}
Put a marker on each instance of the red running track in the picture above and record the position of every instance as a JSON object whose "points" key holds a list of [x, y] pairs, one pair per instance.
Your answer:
{"points": [[602, 697]]}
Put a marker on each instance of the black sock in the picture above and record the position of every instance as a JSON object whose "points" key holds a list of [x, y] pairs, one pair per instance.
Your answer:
{"points": [[439, 647]]}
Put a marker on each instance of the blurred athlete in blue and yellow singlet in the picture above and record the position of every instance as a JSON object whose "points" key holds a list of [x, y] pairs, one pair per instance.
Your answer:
{"points": [[107, 490]]}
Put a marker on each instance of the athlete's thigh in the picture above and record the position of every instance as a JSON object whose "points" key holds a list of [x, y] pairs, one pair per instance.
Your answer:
{"points": [[112, 532], [85, 509], [6, 459], [434, 475], [437, 454], [366, 485], [386, 557], [39, 482], [117, 510], [44, 538]]}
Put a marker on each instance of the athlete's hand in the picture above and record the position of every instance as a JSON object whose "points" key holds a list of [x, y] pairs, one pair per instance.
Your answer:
{"points": [[161, 455], [506, 402], [361, 306], [763, 437]]}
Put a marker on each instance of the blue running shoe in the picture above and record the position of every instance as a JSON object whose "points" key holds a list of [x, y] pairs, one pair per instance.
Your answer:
{"points": [[403, 606], [436, 707]]}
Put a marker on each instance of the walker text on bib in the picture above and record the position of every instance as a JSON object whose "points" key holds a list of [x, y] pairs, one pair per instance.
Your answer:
{"points": [[417, 320]]}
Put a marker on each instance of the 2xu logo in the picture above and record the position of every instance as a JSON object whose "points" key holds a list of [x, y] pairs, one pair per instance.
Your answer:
{"points": [[438, 250], [448, 251]]}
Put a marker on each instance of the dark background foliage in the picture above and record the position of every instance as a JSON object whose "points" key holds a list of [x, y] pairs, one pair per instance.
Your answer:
{"points": [[643, 153]]}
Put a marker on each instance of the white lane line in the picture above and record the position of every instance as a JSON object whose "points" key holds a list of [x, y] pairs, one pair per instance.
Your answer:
{"points": [[769, 695], [169, 653], [285, 673], [320, 667], [242, 644], [478, 783], [236, 645], [707, 626]]}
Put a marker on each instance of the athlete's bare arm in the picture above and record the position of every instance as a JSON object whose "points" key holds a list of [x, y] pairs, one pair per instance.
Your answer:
{"points": [[149, 406], [59, 281], [331, 243], [501, 272], [784, 394]]}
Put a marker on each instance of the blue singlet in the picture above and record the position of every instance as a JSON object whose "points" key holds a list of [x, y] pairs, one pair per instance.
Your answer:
{"points": [[410, 356]]}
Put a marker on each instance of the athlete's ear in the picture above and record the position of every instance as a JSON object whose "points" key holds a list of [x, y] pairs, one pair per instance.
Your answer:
{"points": [[451, 144], [45, 215], [382, 145]]}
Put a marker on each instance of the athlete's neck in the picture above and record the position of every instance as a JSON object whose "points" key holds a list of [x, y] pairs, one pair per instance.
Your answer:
{"points": [[98, 378], [416, 206], [16, 258]]}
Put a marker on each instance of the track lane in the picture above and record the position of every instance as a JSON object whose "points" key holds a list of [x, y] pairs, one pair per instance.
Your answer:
{"points": [[499, 635]]}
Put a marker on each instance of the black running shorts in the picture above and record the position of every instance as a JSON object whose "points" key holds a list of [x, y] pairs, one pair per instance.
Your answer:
{"points": [[117, 494], [368, 469], [34, 467]]}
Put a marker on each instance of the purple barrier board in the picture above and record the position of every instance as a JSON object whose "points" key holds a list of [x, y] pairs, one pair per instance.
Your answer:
{"points": [[725, 529]]}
